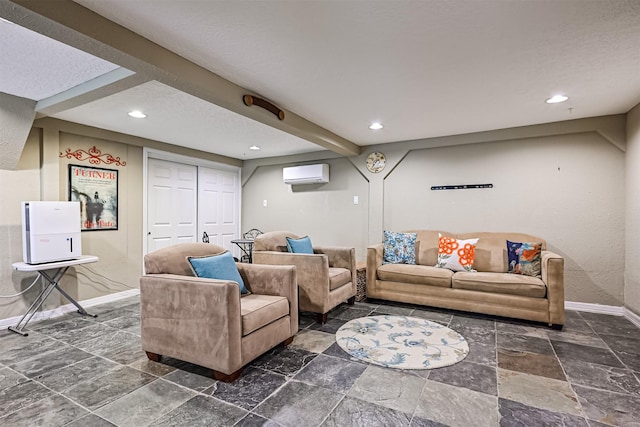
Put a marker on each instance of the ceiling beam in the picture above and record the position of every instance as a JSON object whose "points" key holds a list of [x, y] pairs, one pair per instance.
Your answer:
{"points": [[79, 27]]}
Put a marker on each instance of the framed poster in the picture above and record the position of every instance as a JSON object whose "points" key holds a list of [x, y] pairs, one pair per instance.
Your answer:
{"points": [[97, 191]]}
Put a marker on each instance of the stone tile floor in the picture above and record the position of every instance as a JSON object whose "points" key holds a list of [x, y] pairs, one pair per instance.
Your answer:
{"points": [[77, 371]]}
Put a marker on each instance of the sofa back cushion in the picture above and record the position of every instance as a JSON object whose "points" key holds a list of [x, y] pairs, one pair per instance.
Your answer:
{"points": [[491, 249], [173, 259], [427, 246]]}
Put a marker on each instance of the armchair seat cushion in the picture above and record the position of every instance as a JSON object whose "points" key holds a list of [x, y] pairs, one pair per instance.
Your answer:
{"points": [[416, 274], [500, 283], [338, 277], [260, 310]]}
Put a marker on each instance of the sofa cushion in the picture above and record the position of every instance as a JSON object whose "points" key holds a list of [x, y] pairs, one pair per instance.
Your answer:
{"points": [[456, 255], [399, 248], [260, 310], [524, 258], [491, 250], [338, 277], [501, 283], [221, 267], [416, 274]]}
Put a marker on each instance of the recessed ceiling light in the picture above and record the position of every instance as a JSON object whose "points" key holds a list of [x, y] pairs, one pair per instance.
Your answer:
{"points": [[254, 147], [375, 126], [556, 98], [137, 114]]}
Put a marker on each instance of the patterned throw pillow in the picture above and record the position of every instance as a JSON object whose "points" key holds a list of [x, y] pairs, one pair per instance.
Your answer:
{"points": [[524, 258], [456, 255], [399, 248]]}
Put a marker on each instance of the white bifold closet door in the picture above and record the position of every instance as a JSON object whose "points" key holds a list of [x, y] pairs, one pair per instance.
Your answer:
{"points": [[184, 201]]}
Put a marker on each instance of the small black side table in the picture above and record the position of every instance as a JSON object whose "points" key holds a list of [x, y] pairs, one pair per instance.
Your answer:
{"points": [[246, 246]]}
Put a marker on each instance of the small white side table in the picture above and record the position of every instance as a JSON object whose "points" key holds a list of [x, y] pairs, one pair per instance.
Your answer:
{"points": [[52, 272]]}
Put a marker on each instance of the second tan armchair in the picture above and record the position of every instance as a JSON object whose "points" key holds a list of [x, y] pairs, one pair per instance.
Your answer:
{"points": [[326, 278]]}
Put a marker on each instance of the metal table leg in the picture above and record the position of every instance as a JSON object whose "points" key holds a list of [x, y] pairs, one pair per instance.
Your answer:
{"points": [[19, 328]]}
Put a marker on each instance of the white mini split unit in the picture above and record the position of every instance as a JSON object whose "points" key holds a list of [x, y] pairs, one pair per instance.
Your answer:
{"points": [[307, 174], [50, 231]]}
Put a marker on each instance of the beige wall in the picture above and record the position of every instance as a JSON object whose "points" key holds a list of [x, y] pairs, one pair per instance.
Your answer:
{"points": [[324, 212], [20, 184], [563, 182], [41, 174], [567, 189], [632, 224]]}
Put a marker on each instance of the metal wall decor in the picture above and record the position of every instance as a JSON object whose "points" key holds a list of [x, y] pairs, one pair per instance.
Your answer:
{"points": [[94, 155], [460, 187]]}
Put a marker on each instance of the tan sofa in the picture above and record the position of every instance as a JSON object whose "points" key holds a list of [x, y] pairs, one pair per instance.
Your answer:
{"points": [[491, 290], [326, 278], [205, 321]]}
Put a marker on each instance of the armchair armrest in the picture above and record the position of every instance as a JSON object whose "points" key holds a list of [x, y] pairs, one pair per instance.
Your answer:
{"points": [[277, 280], [338, 256], [553, 277], [192, 319]]}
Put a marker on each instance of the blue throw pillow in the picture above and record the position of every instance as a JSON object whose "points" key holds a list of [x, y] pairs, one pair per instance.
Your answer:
{"points": [[221, 267], [399, 248], [300, 246]]}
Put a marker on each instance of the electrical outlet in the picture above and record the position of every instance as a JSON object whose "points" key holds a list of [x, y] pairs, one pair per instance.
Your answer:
{"points": [[355, 200], [264, 203]]}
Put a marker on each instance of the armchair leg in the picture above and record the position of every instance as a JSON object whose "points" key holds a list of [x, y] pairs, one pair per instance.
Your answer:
{"points": [[227, 378], [287, 341], [351, 300], [153, 356], [321, 318]]}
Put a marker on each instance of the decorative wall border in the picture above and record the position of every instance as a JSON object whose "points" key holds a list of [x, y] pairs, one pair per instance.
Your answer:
{"points": [[94, 155]]}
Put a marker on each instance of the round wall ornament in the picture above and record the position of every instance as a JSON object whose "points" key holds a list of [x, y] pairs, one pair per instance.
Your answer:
{"points": [[376, 162]]}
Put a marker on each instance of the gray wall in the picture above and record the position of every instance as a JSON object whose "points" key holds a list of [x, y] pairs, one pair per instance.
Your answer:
{"points": [[564, 182], [632, 225]]}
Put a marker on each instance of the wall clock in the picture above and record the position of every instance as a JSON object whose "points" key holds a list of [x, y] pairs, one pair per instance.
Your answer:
{"points": [[376, 162]]}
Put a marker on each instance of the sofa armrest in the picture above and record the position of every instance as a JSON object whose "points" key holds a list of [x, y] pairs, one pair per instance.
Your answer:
{"points": [[277, 280], [374, 260], [553, 278], [192, 319]]}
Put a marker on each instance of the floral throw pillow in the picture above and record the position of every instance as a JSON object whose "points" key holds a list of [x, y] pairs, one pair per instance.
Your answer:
{"points": [[456, 255], [399, 248], [524, 258]]}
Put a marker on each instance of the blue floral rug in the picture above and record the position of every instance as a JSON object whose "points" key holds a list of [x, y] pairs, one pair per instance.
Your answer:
{"points": [[402, 342]]}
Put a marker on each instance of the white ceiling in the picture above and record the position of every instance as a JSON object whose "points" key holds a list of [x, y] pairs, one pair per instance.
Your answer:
{"points": [[424, 68]]}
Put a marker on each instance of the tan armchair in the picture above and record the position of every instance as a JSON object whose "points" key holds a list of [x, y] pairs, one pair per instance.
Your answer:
{"points": [[205, 321], [326, 278]]}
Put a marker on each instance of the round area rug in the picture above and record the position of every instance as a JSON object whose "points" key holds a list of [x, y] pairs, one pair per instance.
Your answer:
{"points": [[402, 342]]}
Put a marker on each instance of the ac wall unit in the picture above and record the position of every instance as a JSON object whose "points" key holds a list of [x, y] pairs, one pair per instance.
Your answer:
{"points": [[307, 174]]}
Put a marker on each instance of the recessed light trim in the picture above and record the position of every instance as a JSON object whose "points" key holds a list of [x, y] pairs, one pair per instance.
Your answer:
{"points": [[555, 99], [375, 126], [254, 147], [137, 114]]}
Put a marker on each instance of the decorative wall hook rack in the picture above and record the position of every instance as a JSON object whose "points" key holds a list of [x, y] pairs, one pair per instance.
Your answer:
{"points": [[250, 100], [461, 187]]}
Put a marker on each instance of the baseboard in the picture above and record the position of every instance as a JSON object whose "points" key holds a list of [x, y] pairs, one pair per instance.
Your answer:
{"points": [[604, 309], [63, 309]]}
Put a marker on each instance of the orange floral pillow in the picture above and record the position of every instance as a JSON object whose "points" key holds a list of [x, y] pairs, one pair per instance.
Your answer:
{"points": [[456, 255]]}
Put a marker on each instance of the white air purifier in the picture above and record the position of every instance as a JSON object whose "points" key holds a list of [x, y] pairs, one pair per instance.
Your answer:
{"points": [[50, 231]]}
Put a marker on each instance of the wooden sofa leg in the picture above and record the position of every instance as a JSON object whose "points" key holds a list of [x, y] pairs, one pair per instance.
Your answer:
{"points": [[321, 318], [287, 341], [351, 300], [227, 378], [153, 356]]}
